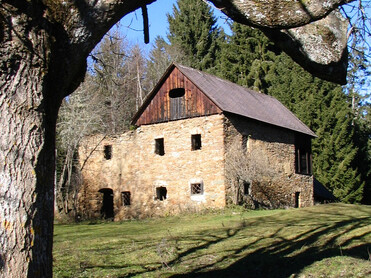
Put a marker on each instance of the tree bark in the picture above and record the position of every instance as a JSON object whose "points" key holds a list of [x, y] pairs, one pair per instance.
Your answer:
{"points": [[277, 14], [43, 50], [320, 47], [28, 115], [27, 163]]}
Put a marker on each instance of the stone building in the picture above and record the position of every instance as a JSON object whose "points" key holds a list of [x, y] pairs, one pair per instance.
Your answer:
{"points": [[200, 142]]}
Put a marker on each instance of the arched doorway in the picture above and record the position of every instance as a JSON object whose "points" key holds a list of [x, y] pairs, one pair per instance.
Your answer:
{"points": [[107, 203]]}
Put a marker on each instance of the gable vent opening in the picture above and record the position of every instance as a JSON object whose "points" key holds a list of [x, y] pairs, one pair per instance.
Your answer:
{"points": [[177, 92]]}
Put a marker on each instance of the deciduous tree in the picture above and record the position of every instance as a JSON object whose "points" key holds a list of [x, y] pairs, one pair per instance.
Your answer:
{"points": [[104, 103], [247, 165]]}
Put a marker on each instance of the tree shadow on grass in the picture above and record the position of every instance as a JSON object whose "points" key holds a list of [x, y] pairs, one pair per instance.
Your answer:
{"points": [[287, 257], [260, 247]]}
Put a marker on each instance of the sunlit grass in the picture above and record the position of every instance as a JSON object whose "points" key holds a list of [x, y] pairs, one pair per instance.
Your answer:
{"points": [[321, 241]]}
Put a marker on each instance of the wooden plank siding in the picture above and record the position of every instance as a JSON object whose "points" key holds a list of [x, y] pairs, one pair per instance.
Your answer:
{"points": [[163, 108]]}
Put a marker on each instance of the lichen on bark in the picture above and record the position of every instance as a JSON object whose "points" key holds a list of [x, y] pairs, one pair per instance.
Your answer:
{"points": [[310, 31]]}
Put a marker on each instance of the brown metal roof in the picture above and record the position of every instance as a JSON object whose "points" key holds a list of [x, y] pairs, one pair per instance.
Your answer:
{"points": [[233, 98]]}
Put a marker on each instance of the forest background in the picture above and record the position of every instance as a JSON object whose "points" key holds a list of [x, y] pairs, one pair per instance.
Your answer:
{"points": [[122, 72]]}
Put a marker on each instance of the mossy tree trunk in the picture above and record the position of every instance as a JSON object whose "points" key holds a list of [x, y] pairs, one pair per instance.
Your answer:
{"points": [[320, 47]]}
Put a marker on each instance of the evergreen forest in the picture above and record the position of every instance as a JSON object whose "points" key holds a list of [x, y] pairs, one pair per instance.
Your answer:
{"points": [[121, 74]]}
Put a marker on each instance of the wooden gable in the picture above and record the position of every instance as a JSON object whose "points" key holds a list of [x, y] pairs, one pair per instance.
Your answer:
{"points": [[174, 98]]}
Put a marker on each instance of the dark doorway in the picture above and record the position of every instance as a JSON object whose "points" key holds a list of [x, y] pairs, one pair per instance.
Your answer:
{"points": [[107, 204]]}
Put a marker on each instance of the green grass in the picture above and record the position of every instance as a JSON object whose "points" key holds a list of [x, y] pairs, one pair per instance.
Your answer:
{"points": [[322, 241]]}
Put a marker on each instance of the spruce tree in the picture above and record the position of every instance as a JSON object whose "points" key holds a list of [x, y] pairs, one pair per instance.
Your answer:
{"points": [[357, 90], [325, 108], [160, 57], [246, 56], [193, 31], [362, 138]]}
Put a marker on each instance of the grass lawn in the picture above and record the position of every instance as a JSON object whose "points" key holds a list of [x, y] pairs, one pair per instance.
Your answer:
{"points": [[322, 241]]}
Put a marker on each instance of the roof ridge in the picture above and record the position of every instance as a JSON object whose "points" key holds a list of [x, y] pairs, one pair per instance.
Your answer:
{"points": [[242, 94], [249, 90]]}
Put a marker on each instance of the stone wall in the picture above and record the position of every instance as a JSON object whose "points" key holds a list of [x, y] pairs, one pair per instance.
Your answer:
{"points": [[135, 167], [276, 184]]}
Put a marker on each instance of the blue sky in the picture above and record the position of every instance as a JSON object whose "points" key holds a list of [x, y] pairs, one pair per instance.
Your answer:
{"points": [[131, 25]]}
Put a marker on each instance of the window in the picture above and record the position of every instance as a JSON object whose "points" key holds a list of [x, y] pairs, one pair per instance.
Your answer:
{"points": [[197, 189], [297, 200], [161, 193], [303, 156], [159, 146], [196, 142], [177, 92], [107, 152], [125, 197]]}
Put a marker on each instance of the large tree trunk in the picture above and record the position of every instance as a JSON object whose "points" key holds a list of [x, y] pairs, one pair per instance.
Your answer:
{"points": [[43, 51], [27, 165], [28, 112]]}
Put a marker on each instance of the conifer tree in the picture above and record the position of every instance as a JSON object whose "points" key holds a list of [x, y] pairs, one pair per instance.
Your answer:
{"points": [[160, 57], [246, 56], [193, 31], [325, 108], [362, 138], [357, 90]]}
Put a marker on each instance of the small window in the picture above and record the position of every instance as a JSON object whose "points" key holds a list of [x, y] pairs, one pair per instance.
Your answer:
{"points": [[161, 193], [197, 189], [125, 197], [159, 146], [246, 188], [196, 142], [177, 92], [303, 157], [107, 152], [297, 200]]}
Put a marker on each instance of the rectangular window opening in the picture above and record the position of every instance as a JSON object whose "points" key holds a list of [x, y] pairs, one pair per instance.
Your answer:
{"points": [[303, 157], [297, 200], [161, 193], [197, 189], [159, 146], [196, 142], [107, 152], [125, 197]]}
